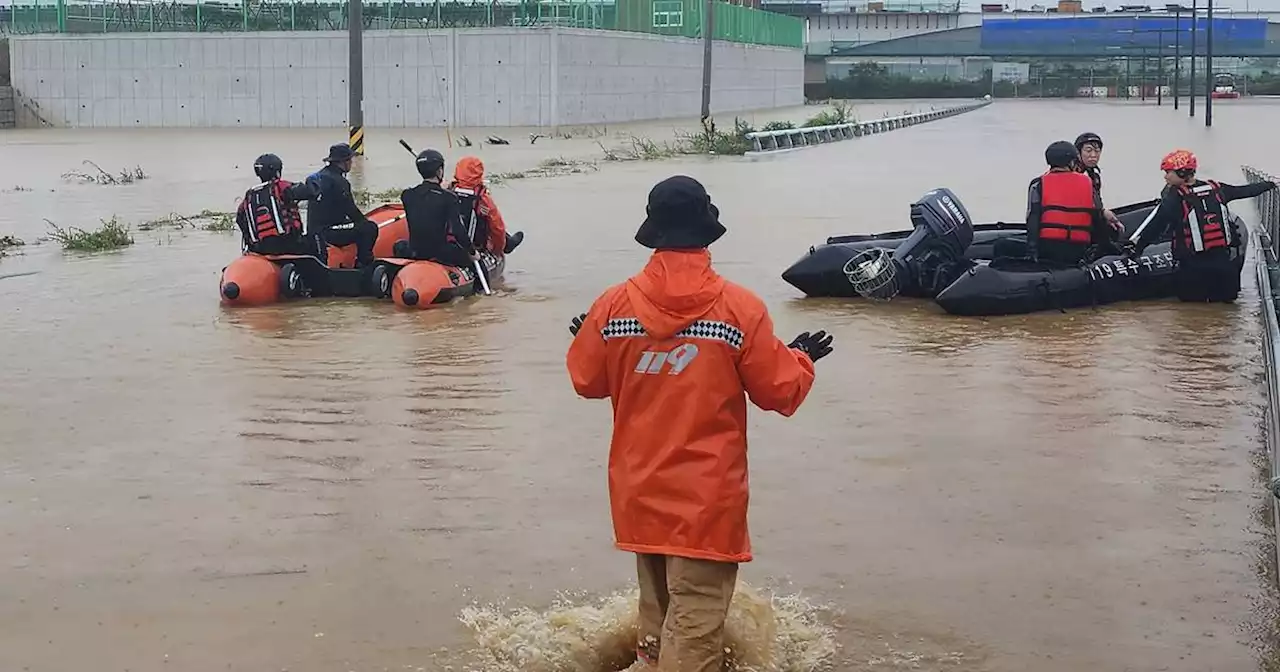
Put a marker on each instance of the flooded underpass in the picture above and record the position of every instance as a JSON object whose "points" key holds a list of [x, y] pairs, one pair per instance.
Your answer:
{"points": [[331, 485]]}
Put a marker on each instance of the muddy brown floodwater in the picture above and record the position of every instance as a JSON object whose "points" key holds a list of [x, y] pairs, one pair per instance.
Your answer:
{"points": [[326, 486]]}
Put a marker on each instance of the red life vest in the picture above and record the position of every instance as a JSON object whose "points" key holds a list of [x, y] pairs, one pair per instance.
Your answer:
{"points": [[270, 214], [1068, 208], [1204, 218]]}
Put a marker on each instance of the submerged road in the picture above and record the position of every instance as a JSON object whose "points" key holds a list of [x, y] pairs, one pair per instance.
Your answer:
{"points": [[324, 486]]}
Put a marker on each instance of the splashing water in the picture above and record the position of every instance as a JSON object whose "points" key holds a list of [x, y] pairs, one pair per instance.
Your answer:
{"points": [[763, 633]]}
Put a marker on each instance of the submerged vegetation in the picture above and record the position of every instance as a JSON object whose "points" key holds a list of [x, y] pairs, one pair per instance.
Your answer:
{"points": [[711, 140], [113, 234], [205, 220], [840, 112], [551, 167], [125, 176], [8, 244], [366, 197]]}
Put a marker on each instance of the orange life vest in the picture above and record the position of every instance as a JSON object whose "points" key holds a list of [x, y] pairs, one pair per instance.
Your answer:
{"points": [[1068, 209], [1204, 218], [270, 214]]}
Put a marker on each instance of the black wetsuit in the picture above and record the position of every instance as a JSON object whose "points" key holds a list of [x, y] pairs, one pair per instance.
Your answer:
{"points": [[433, 213], [334, 216]]}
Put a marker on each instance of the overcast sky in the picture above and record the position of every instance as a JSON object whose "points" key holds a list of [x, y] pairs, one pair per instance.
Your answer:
{"points": [[1239, 5]]}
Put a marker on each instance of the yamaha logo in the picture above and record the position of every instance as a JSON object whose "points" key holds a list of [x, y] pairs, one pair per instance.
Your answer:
{"points": [[951, 207]]}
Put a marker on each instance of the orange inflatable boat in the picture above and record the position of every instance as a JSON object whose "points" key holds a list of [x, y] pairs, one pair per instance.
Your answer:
{"points": [[254, 279]]}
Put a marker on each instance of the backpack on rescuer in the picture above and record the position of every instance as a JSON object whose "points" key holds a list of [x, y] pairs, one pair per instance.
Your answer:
{"points": [[1068, 208], [1205, 218], [475, 224], [268, 214]]}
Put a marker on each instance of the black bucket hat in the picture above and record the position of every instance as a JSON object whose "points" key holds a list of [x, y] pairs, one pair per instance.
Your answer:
{"points": [[339, 152], [681, 216]]}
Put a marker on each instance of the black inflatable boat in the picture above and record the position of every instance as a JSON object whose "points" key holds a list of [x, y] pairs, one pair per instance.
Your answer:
{"points": [[1016, 286], [983, 269], [821, 272]]}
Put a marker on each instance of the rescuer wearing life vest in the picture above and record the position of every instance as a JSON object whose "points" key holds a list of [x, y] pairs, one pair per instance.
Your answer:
{"points": [[268, 217], [1203, 234], [479, 213], [1064, 213], [1089, 147], [436, 230], [333, 213], [678, 349]]}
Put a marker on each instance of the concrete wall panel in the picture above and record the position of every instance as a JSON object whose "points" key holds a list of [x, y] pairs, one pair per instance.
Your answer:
{"points": [[486, 77], [8, 114]]}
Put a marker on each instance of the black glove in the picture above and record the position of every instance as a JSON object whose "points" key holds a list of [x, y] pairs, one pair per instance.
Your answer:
{"points": [[816, 345], [576, 324], [1129, 249]]}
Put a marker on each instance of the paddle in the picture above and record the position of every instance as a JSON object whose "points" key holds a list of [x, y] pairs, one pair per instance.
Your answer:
{"points": [[484, 283]]}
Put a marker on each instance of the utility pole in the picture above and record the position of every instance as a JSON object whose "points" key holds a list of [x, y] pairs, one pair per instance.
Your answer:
{"points": [[1208, 68], [1160, 70], [708, 26], [1191, 86], [1177, 52], [355, 76]]}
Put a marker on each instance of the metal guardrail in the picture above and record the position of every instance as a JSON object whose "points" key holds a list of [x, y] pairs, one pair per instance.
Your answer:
{"points": [[1268, 268], [795, 138]]}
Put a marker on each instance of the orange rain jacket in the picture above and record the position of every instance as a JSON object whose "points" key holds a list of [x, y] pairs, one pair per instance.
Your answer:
{"points": [[469, 174], [675, 348]]}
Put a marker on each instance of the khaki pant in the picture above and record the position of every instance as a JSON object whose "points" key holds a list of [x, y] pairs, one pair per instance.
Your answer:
{"points": [[683, 605]]}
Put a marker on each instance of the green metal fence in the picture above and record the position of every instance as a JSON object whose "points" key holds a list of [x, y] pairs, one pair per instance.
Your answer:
{"points": [[666, 17]]}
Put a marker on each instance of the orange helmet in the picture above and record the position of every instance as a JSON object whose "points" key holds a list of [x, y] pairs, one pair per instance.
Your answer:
{"points": [[1178, 159]]}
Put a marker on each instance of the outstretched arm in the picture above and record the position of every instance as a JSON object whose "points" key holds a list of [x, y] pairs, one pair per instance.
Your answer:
{"points": [[777, 378], [587, 359], [300, 191], [1231, 192]]}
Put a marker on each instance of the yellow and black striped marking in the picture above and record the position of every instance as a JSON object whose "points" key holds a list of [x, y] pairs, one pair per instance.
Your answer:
{"points": [[357, 140]]}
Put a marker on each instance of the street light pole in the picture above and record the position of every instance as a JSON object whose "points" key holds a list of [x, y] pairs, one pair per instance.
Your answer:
{"points": [[1191, 85], [1208, 68], [1160, 71], [1177, 52]]}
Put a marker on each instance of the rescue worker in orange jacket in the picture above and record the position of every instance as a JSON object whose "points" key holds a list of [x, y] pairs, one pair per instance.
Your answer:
{"points": [[268, 217], [1064, 213], [1089, 147], [678, 349], [479, 213], [1204, 237]]}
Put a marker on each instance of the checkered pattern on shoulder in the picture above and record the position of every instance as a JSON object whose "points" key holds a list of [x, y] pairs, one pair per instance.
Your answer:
{"points": [[707, 330], [622, 327], [712, 330]]}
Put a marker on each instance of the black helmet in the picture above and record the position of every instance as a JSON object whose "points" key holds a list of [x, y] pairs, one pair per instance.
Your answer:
{"points": [[429, 161], [1088, 138], [268, 166], [1061, 154]]}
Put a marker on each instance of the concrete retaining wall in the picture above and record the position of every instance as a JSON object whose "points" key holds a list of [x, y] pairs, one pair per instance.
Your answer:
{"points": [[460, 77], [7, 115]]}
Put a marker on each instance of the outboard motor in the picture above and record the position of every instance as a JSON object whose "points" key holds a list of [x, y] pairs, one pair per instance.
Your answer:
{"points": [[929, 260]]}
